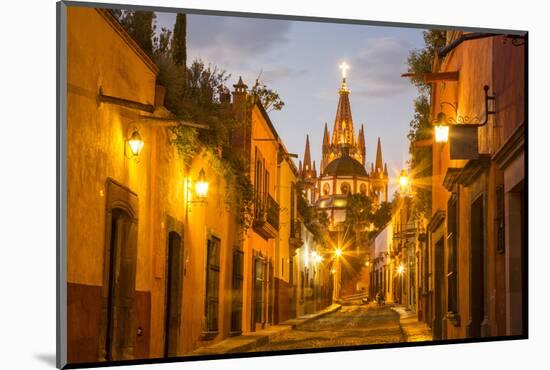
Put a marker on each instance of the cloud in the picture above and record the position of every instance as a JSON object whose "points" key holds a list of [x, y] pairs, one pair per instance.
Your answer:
{"points": [[376, 69], [279, 73], [234, 43]]}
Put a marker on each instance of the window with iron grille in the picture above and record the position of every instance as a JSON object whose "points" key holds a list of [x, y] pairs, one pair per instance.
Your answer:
{"points": [[258, 289], [237, 298], [212, 284], [452, 280]]}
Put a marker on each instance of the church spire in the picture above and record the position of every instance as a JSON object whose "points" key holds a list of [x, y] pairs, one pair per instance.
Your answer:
{"points": [[307, 156], [361, 144], [326, 139], [343, 132], [378, 165]]}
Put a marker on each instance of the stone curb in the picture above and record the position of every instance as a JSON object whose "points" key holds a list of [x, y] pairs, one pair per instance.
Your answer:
{"points": [[412, 329]]}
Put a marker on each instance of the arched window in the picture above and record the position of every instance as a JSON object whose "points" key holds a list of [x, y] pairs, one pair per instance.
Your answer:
{"points": [[345, 188], [326, 189]]}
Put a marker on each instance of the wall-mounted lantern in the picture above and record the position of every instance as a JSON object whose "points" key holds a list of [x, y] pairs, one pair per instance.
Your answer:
{"points": [[135, 144], [201, 186], [441, 130], [196, 191], [462, 130]]}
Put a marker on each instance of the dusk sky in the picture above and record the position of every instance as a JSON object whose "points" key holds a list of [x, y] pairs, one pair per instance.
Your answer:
{"points": [[300, 61]]}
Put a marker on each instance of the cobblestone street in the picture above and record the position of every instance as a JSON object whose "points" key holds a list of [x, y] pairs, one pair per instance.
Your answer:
{"points": [[352, 325]]}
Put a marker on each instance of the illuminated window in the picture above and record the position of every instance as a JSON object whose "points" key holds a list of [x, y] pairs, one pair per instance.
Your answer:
{"points": [[344, 188], [326, 189]]}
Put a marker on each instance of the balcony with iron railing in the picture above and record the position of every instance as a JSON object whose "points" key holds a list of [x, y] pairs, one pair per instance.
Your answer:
{"points": [[266, 216], [295, 239]]}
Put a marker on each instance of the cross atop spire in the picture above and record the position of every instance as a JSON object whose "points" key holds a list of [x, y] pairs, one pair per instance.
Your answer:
{"points": [[344, 67]]}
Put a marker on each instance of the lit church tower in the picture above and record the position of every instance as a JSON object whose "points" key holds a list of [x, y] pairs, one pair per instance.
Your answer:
{"points": [[343, 164]]}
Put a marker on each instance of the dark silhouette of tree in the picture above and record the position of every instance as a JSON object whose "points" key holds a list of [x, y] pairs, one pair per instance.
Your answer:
{"points": [[179, 40], [269, 98], [140, 25], [420, 61]]}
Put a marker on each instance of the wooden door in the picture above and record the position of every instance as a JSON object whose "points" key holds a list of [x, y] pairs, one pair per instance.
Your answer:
{"points": [[174, 283], [477, 275], [120, 323]]}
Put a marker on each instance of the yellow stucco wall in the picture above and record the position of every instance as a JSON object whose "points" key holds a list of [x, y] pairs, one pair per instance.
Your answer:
{"points": [[99, 56], [96, 140]]}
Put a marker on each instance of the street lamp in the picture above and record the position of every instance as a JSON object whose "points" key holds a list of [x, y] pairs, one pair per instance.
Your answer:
{"points": [[338, 252], [201, 186], [135, 143], [441, 129], [400, 269], [442, 123], [404, 181]]}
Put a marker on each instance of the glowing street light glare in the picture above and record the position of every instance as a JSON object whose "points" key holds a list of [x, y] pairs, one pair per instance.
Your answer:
{"points": [[135, 143], [344, 67], [201, 186], [401, 269], [404, 180], [337, 252], [441, 134]]}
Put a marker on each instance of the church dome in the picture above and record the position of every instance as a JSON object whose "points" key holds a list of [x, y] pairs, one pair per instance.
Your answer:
{"points": [[345, 166]]}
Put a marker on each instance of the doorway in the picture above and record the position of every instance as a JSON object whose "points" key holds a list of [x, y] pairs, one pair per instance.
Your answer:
{"points": [[174, 283], [477, 274], [118, 321], [120, 336]]}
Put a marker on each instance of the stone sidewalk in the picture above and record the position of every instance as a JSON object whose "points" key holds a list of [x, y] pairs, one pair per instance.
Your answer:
{"points": [[413, 330], [249, 341]]}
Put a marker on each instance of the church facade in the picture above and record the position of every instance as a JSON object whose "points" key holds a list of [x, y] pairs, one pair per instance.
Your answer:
{"points": [[343, 169]]}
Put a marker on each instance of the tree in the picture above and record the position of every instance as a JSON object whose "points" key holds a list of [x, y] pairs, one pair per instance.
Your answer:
{"points": [[382, 215], [140, 25], [269, 98], [161, 44], [179, 41], [420, 61], [315, 220]]}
